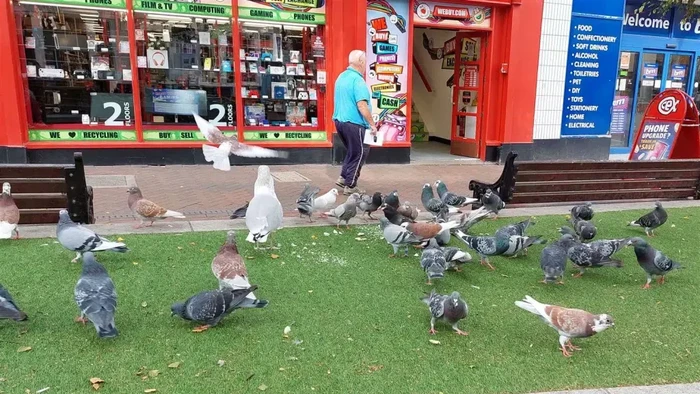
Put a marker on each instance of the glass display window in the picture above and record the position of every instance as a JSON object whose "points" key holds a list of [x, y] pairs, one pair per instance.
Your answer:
{"points": [[280, 81], [76, 64], [185, 65]]}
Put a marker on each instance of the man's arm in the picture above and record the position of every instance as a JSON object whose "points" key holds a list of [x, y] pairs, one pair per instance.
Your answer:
{"points": [[364, 110]]}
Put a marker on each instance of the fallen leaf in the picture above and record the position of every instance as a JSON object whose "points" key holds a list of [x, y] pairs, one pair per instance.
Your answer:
{"points": [[375, 368], [262, 387], [292, 358], [120, 239], [24, 349], [311, 291], [176, 364], [360, 239], [434, 342], [179, 248], [281, 369], [326, 235], [45, 389], [134, 263], [198, 329], [673, 225], [96, 386], [141, 371], [476, 287], [287, 330], [192, 243], [221, 363], [96, 380], [360, 234], [313, 237], [150, 391], [144, 304], [153, 373], [275, 256]]}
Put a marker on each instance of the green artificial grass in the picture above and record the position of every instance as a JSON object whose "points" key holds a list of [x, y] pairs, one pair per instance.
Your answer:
{"points": [[359, 326]]}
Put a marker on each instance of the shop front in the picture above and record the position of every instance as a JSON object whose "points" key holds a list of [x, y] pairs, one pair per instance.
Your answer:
{"points": [[120, 79], [658, 52]]}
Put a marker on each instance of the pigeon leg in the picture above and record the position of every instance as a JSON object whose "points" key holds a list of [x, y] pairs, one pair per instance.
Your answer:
{"points": [[458, 331], [562, 343], [405, 253], [80, 319], [78, 255], [429, 283], [646, 231], [458, 269], [561, 281], [140, 224], [432, 326], [515, 256], [647, 285], [485, 262], [16, 233], [571, 347], [369, 214], [544, 281], [579, 274], [201, 328], [662, 280], [323, 215]]}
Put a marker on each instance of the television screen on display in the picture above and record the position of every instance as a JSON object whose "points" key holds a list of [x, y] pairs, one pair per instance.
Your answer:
{"points": [[176, 102]]}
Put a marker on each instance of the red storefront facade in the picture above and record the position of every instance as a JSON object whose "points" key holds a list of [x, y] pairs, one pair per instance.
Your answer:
{"points": [[117, 82]]}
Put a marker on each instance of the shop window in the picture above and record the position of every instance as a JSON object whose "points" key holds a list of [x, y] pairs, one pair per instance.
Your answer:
{"points": [[76, 63], [185, 66], [279, 69], [624, 98], [696, 84]]}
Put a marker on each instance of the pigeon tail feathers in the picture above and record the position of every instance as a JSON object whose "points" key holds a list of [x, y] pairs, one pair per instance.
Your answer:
{"points": [[107, 332], [173, 214], [6, 230], [218, 155], [111, 246], [250, 303], [448, 226]]}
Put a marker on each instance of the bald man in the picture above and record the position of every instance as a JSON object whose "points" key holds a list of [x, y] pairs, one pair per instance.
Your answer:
{"points": [[352, 115]]}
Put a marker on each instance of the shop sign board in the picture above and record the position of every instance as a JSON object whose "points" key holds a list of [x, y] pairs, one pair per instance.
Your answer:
{"points": [[285, 136], [112, 109], [177, 135], [641, 18], [296, 11], [81, 135], [442, 14], [591, 74], [173, 7], [118, 4]]}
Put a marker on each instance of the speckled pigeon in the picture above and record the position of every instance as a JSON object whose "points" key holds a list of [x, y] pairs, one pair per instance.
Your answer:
{"points": [[586, 256], [553, 259], [393, 215], [147, 210], [370, 204], [583, 230], [515, 228], [485, 246], [9, 213], [467, 220], [652, 261], [582, 212], [434, 205], [426, 231], [455, 258], [450, 309], [569, 323], [209, 307], [450, 198], [345, 211], [305, 202], [397, 236], [652, 220], [433, 261], [80, 239], [492, 203], [264, 214], [96, 297], [519, 243], [8, 307], [230, 270]]}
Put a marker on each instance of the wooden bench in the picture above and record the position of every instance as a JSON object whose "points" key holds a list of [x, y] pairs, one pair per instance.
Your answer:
{"points": [[41, 191], [574, 182]]}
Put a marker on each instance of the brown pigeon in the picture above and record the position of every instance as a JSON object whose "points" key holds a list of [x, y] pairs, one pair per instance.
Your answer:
{"points": [[229, 268], [569, 323], [427, 230], [408, 210], [148, 210], [9, 214]]}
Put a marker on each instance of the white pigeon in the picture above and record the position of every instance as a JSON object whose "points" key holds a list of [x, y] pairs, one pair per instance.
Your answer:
{"points": [[9, 213], [227, 146], [325, 202], [264, 213]]}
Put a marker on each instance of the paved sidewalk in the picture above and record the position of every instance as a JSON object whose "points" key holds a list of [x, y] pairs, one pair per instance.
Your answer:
{"points": [[200, 192], [690, 388]]}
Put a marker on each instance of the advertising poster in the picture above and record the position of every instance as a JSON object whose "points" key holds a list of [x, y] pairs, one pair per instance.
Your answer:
{"points": [[438, 14], [620, 109], [656, 140], [387, 66], [296, 11]]}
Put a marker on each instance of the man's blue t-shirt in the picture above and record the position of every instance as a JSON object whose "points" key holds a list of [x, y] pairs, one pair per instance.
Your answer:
{"points": [[350, 88]]}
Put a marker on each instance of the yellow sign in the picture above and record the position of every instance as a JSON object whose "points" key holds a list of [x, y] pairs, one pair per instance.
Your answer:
{"points": [[389, 69], [385, 88]]}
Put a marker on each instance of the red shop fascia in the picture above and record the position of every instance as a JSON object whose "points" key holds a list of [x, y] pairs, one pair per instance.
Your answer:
{"points": [[115, 79]]}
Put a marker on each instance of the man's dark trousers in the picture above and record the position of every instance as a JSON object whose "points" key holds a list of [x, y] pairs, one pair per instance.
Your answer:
{"points": [[352, 135]]}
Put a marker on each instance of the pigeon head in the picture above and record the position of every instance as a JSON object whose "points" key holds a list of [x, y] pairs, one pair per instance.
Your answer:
{"points": [[588, 204], [355, 197], [377, 198], [602, 323], [64, 217], [264, 179], [231, 238], [637, 241], [178, 309], [657, 204], [6, 189], [134, 191], [454, 298], [334, 191], [91, 266], [440, 187], [383, 222], [432, 244], [426, 193], [392, 199]]}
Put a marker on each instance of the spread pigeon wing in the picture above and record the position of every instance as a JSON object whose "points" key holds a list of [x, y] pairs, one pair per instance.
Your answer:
{"points": [[209, 131], [244, 150], [437, 305]]}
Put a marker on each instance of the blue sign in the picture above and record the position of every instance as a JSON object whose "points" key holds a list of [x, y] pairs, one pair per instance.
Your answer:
{"points": [[591, 75], [640, 18], [607, 8], [685, 28]]}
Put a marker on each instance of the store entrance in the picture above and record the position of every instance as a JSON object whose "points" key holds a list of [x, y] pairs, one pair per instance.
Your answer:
{"points": [[448, 86]]}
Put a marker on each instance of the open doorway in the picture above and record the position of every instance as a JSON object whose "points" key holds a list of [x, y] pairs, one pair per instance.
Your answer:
{"points": [[448, 89]]}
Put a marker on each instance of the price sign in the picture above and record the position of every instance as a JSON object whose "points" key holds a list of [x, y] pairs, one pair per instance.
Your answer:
{"points": [[114, 109], [222, 112]]}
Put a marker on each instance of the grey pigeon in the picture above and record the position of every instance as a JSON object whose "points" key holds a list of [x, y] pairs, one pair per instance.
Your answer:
{"points": [[394, 216], [434, 205], [240, 212], [433, 261], [582, 212], [9, 213], [492, 202], [455, 258], [397, 236], [96, 297], [370, 204], [450, 198], [485, 246], [408, 210], [305, 202], [443, 237], [652, 220], [583, 230], [392, 199], [80, 239], [553, 259], [519, 243], [467, 220], [264, 214], [345, 211], [450, 309], [8, 307], [209, 307], [594, 255], [608, 247], [515, 228], [652, 261]]}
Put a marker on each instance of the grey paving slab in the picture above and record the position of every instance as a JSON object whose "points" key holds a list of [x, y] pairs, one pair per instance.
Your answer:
{"points": [[692, 388], [593, 391]]}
